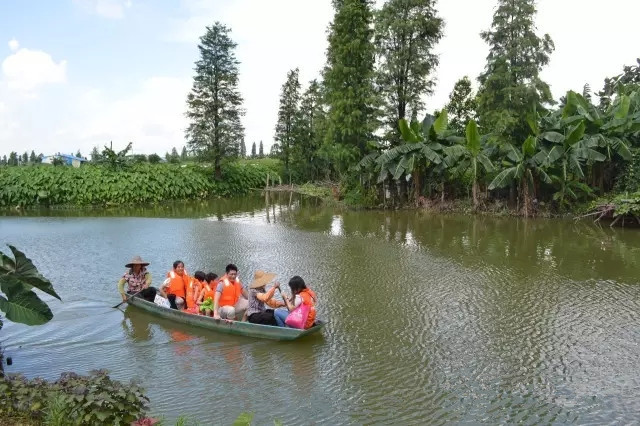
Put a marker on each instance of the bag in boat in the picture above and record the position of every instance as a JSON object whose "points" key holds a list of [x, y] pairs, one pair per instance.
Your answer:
{"points": [[298, 317], [161, 301]]}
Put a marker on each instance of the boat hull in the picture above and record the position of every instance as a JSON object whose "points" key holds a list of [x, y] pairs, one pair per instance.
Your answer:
{"points": [[229, 327]]}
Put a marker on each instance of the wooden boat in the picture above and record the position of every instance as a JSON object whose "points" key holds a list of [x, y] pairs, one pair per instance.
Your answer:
{"points": [[231, 327]]}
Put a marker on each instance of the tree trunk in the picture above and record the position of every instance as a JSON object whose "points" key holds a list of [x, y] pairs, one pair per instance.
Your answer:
{"points": [[218, 169], [526, 199], [417, 185]]}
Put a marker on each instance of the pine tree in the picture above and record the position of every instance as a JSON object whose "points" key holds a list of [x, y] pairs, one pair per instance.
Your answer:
{"points": [[174, 157], [286, 125], [13, 159], [406, 34], [243, 149], [95, 155], [348, 79], [78, 154], [253, 150], [261, 151], [510, 86], [25, 158], [215, 104], [4, 160], [309, 137], [39, 158], [462, 105], [32, 157], [183, 154]]}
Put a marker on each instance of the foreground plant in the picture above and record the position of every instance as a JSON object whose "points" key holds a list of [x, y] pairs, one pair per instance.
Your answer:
{"points": [[20, 303]]}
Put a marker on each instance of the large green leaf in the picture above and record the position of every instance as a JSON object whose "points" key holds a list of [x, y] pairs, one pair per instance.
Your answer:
{"points": [[25, 308], [441, 123], [512, 153], [576, 133], [554, 137], [503, 178], [529, 146], [532, 120], [407, 133], [486, 162], [430, 152], [473, 138], [455, 151], [623, 107], [622, 148], [570, 107], [23, 270], [544, 176]]}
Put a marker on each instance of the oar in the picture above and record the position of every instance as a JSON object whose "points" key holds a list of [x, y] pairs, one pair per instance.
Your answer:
{"points": [[135, 294]]}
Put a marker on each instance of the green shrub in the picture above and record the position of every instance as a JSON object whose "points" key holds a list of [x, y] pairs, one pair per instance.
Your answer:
{"points": [[92, 399], [136, 184]]}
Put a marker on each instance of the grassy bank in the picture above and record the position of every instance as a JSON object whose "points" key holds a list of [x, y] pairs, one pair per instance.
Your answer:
{"points": [[138, 183]]}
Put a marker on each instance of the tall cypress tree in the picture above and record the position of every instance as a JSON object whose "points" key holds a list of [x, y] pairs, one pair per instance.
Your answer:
{"points": [[32, 157], [243, 149], [406, 33], [261, 151], [286, 126], [309, 137], [215, 104], [253, 150], [510, 86], [349, 76]]}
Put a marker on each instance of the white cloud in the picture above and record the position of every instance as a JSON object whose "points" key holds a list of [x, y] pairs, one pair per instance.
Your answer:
{"points": [[25, 70], [13, 44], [151, 117], [112, 9]]}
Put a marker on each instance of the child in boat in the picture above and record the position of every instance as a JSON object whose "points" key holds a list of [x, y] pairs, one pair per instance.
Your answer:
{"points": [[300, 294], [193, 291], [207, 294]]}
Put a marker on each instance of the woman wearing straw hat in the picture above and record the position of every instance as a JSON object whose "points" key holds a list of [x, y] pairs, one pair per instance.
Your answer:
{"points": [[136, 277], [257, 313]]}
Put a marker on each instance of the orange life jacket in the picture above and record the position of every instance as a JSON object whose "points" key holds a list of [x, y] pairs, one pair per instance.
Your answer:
{"points": [[178, 284], [209, 291], [193, 290], [309, 298], [230, 292]]}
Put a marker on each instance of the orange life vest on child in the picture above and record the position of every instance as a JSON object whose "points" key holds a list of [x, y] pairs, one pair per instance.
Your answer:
{"points": [[178, 284], [230, 292], [309, 298], [193, 290], [209, 291]]}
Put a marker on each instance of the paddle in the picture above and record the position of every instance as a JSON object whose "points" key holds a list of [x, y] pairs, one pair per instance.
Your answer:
{"points": [[285, 302], [135, 294]]}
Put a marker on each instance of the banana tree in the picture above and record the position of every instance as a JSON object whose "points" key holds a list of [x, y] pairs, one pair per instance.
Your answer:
{"points": [[422, 149], [469, 155], [571, 150], [609, 131], [523, 167]]}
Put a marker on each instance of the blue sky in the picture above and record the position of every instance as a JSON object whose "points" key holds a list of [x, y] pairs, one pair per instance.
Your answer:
{"points": [[78, 73]]}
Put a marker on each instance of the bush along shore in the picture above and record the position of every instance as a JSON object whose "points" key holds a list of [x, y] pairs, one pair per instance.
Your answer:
{"points": [[101, 185]]}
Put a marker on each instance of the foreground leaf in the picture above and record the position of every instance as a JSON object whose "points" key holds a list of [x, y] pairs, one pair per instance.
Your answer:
{"points": [[23, 270], [26, 308]]}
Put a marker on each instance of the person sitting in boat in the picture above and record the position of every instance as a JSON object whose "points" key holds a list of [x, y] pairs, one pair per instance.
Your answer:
{"points": [[174, 287], [257, 312], [230, 301], [207, 294], [137, 279], [193, 291], [300, 294]]}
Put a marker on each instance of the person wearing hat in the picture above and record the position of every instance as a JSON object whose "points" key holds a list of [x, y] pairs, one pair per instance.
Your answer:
{"points": [[137, 278], [257, 313]]}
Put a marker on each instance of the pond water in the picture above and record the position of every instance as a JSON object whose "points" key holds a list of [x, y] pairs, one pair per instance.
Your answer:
{"points": [[431, 318]]}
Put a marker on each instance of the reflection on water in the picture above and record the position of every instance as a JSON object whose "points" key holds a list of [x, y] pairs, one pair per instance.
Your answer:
{"points": [[432, 318]]}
